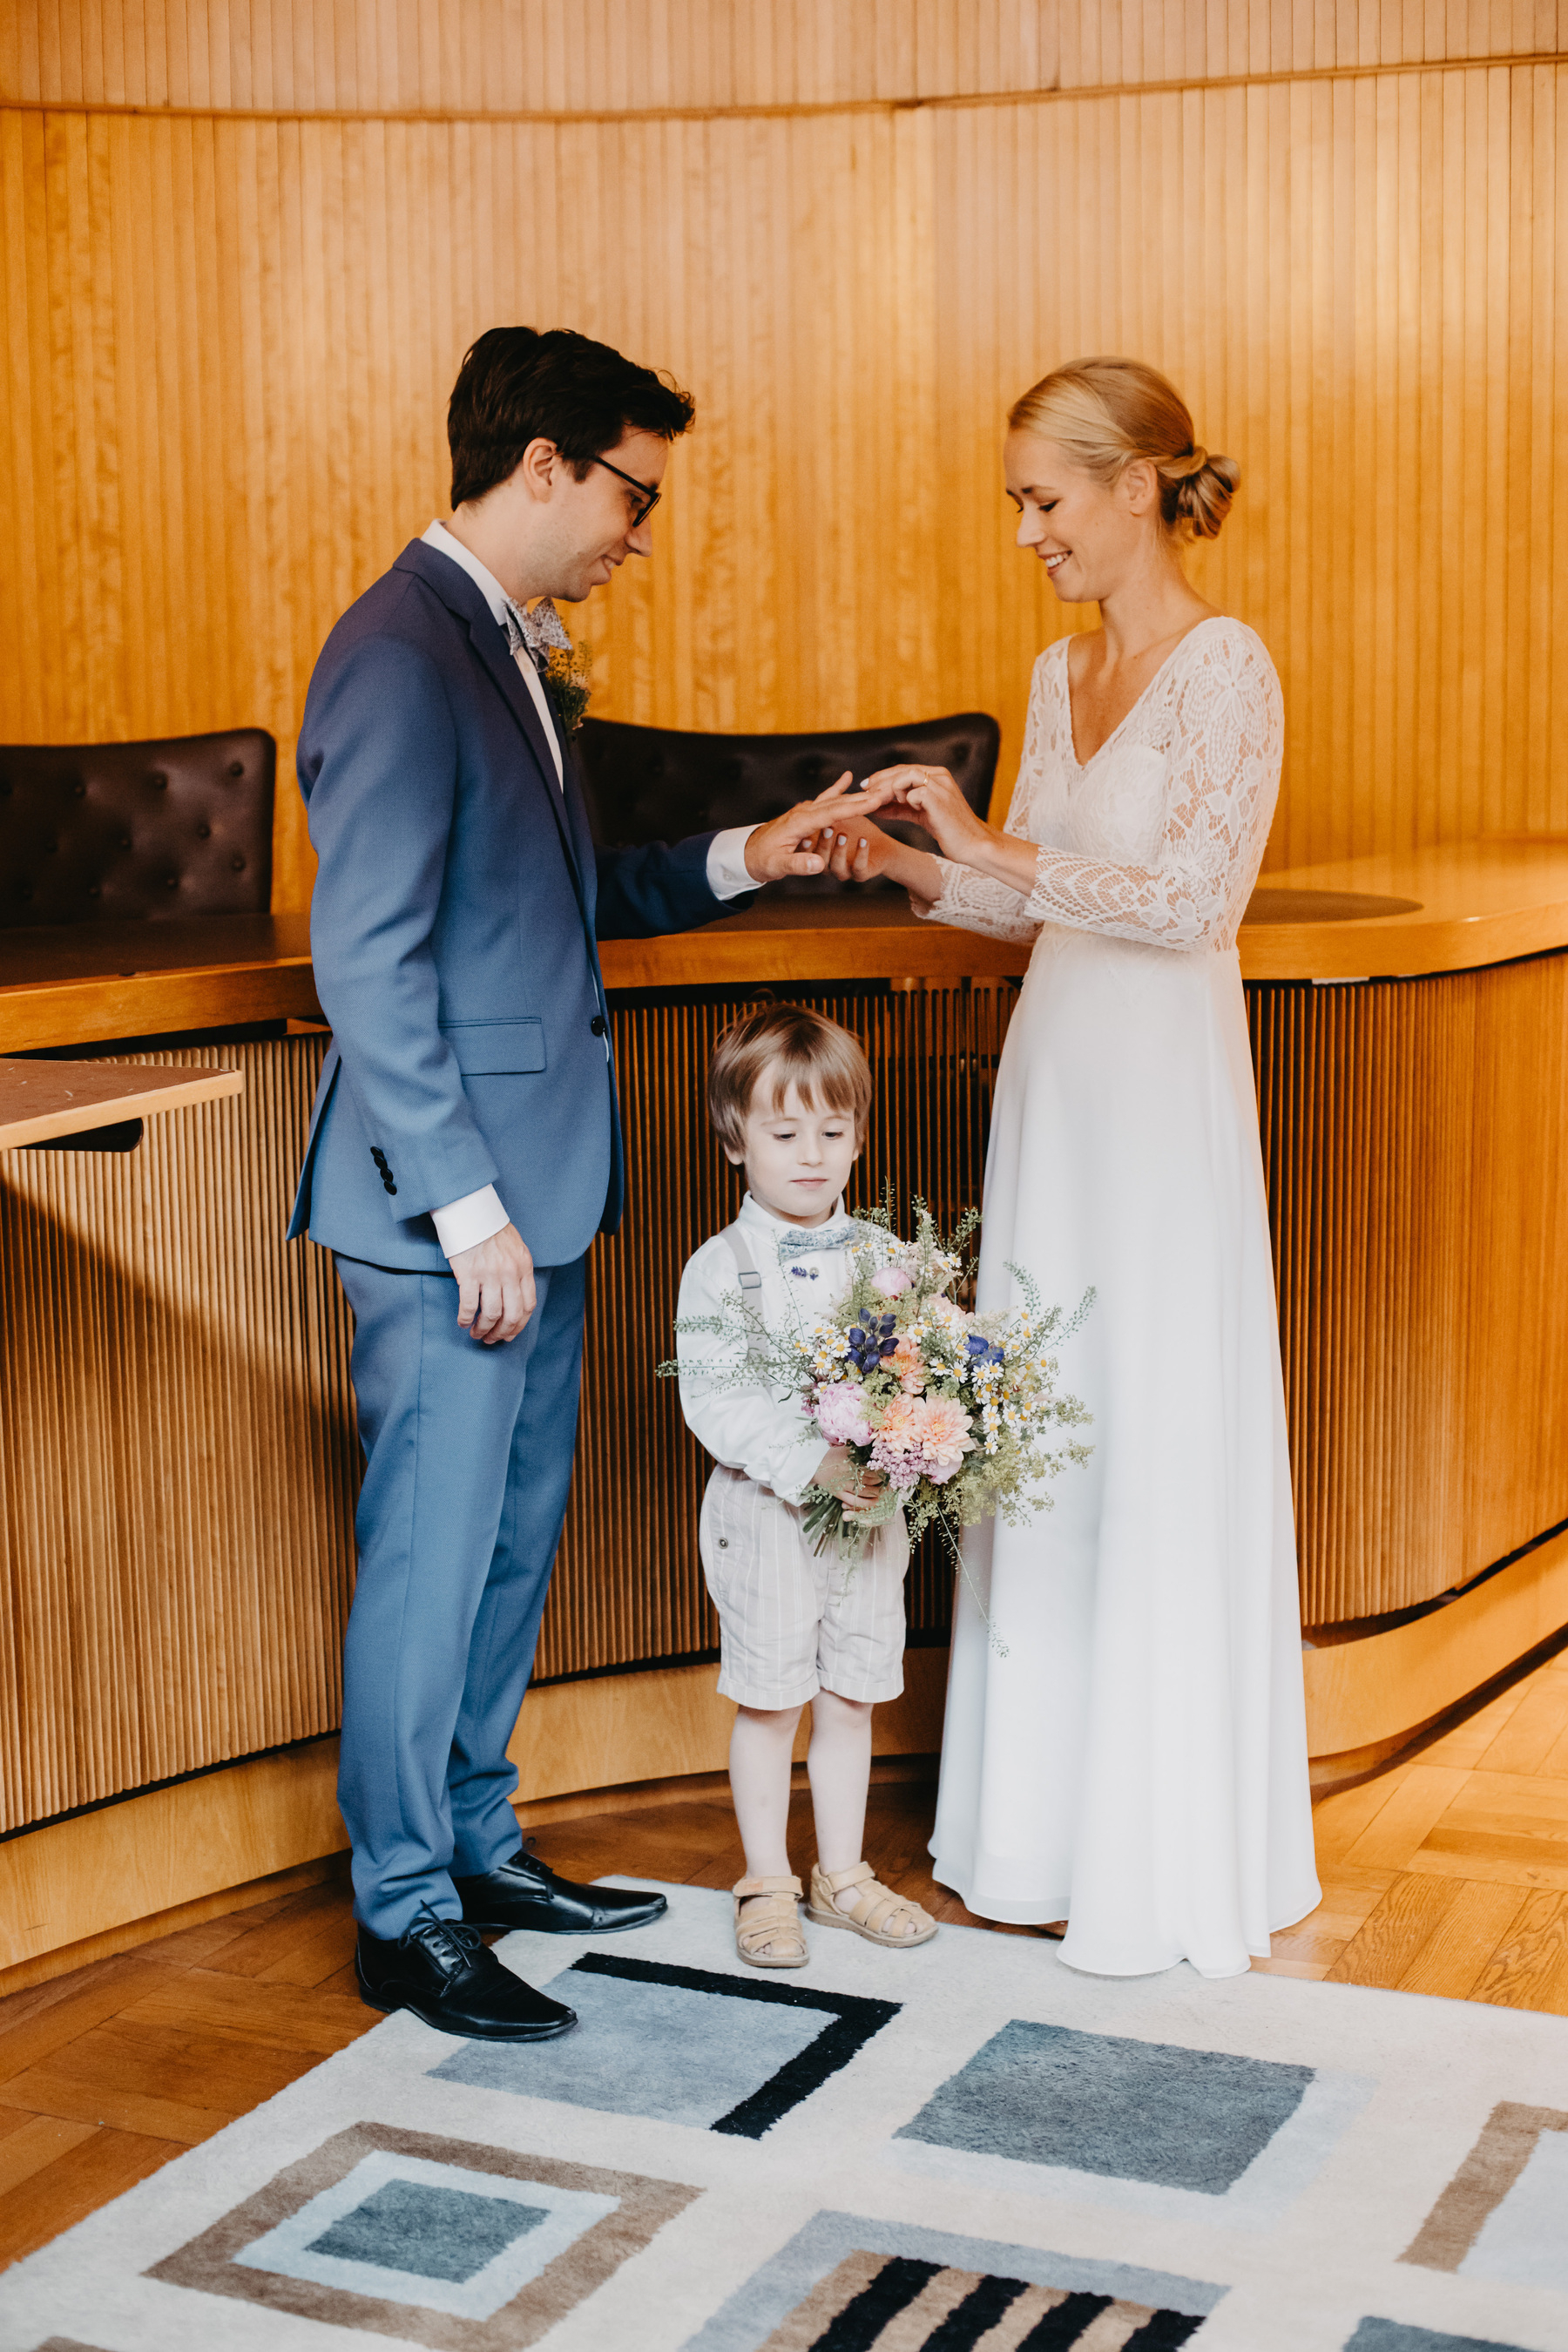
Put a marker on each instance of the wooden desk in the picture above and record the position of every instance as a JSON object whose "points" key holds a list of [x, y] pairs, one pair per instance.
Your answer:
{"points": [[1475, 904], [179, 1435], [40, 1100], [82, 983]]}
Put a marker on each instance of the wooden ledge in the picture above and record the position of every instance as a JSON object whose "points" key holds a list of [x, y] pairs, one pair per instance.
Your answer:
{"points": [[88, 984], [1478, 902], [40, 1100], [1371, 1694]]}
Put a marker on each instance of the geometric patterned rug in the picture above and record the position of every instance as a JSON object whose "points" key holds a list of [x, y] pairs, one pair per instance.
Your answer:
{"points": [[964, 2148]]}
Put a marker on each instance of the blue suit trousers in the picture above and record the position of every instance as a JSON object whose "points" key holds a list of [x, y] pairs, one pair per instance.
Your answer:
{"points": [[467, 1462]]}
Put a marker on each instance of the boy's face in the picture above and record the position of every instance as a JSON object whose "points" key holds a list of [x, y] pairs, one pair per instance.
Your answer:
{"points": [[796, 1160]]}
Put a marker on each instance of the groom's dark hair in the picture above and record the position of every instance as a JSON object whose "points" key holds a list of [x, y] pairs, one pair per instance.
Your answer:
{"points": [[518, 385]]}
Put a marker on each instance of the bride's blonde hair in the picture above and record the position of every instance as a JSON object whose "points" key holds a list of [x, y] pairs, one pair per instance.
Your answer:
{"points": [[1105, 413]]}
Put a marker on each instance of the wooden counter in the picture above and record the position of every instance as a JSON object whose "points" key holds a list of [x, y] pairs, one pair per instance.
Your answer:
{"points": [[178, 1448], [88, 984], [1470, 905]]}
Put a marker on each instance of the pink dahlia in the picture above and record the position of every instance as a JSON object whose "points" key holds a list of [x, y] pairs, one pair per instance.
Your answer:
{"points": [[944, 1438], [841, 1413], [901, 1430], [908, 1366]]}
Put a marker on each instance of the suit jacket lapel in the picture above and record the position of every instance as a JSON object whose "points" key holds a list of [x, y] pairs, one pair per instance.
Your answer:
{"points": [[462, 599], [577, 808], [489, 643]]}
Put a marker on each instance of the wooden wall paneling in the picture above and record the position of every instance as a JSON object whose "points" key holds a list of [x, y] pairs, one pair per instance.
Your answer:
{"points": [[231, 340], [441, 56]]}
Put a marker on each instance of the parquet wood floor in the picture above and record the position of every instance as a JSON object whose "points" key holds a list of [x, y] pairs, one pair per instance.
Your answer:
{"points": [[1445, 1874]]}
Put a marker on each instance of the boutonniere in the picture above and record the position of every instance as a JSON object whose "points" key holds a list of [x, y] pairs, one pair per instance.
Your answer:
{"points": [[567, 672]]}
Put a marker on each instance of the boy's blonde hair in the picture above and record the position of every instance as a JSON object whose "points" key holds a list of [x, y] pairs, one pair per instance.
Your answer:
{"points": [[792, 1046]]}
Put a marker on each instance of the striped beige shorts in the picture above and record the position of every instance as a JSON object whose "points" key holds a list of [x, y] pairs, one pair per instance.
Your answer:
{"points": [[792, 1623]]}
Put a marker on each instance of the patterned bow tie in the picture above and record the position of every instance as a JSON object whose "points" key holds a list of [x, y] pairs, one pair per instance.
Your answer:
{"points": [[830, 1236], [539, 630]]}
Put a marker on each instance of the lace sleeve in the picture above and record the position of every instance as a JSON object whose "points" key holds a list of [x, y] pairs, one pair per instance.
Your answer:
{"points": [[1225, 762], [972, 902]]}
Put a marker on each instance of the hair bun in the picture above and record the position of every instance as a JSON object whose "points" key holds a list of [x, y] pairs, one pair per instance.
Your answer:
{"points": [[1203, 488], [1106, 414]]}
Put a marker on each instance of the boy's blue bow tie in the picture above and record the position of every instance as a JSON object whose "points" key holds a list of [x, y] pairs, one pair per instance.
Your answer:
{"points": [[802, 1238]]}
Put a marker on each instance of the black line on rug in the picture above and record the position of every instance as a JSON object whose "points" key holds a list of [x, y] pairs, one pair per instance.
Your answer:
{"points": [[895, 2288], [1166, 2332], [976, 2316], [1061, 2329], [855, 2019]]}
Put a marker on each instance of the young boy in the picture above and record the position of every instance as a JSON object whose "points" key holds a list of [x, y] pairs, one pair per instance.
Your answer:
{"points": [[788, 1093]]}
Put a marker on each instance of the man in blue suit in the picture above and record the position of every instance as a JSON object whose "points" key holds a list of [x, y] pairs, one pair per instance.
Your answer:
{"points": [[465, 1146]]}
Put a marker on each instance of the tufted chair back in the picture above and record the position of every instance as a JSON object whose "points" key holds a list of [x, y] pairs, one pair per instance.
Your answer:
{"points": [[655, 783], [99, 831]]}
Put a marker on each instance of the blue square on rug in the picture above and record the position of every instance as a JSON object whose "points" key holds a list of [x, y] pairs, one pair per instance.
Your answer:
{"points": [[431, 2235], [1144, 2111], [1393, 2336], [434, 2233], [429, 2240], [685, 2046]]}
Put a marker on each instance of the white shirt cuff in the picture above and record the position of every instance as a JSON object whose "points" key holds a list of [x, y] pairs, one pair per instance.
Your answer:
{"points": [[464, 1224], [727, 875]]}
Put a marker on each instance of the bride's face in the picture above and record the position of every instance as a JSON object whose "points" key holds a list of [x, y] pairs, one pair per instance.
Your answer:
{"points": [[1086, 536]]}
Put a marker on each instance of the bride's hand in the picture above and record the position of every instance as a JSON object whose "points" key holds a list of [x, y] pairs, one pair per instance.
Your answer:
{"points": [[855, 849], [933, 795]]}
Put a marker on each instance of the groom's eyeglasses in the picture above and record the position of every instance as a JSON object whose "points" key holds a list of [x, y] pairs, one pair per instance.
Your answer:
{"points": [[648, 498]]}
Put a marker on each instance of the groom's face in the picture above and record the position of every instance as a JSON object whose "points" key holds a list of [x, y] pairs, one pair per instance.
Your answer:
{"points": [[588, 528]]}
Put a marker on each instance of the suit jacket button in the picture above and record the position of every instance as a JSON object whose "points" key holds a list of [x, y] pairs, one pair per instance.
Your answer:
{"points": [[597, 1025]]}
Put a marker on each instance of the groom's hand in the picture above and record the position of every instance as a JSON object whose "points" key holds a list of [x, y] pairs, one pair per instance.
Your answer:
{"points": [[495, 1287], [799, 841]]}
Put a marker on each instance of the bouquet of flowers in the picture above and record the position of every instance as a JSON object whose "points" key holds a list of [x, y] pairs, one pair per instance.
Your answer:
{"points": [[957, 1410]]}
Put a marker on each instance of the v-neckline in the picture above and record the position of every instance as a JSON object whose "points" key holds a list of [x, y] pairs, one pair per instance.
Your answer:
{"points": [[1083, 766]]}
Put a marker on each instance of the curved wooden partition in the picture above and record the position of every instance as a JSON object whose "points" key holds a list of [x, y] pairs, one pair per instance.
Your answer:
{"points": [[178, 1449]]}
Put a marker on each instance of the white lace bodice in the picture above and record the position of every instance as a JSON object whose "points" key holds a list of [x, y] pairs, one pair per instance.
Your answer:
{"points": [[1160, 835]]}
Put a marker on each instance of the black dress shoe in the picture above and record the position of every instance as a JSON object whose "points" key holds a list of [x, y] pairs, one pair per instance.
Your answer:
{"points": [[526, 1893], [442, 1971]]}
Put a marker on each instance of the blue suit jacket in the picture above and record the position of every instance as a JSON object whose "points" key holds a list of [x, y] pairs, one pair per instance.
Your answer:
{"points": [[458, 902]]}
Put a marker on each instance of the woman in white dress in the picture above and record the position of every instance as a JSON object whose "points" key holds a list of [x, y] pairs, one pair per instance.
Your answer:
{"points": [[1127, 1754]]}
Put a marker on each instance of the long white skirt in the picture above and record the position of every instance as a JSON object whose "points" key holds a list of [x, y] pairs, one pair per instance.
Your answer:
{"points": [[1136, 1763]]}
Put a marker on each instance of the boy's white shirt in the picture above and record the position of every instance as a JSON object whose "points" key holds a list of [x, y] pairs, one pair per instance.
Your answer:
{"points": [[753, 1429]]}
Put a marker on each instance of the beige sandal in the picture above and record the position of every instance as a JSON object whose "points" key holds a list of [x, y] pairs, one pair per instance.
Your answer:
{"points": [[875, 1905], [768, 1935]]}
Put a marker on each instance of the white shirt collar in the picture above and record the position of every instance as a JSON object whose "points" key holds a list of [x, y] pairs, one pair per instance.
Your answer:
{"points": [[755, 1213], [489, 586]]}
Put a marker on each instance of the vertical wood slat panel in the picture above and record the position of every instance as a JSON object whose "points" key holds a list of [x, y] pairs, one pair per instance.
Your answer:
{"points": [[1415, 1145], [229, 344], [177, 1463], [627, 1585], [444, 55], [177, 1459]]}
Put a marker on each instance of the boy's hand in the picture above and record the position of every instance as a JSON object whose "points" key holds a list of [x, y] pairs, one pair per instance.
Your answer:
{"points": [[857, 1489]]}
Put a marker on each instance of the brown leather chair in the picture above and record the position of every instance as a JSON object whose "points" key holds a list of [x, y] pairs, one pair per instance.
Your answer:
{"points": [[658, 783], [101, 831]]}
